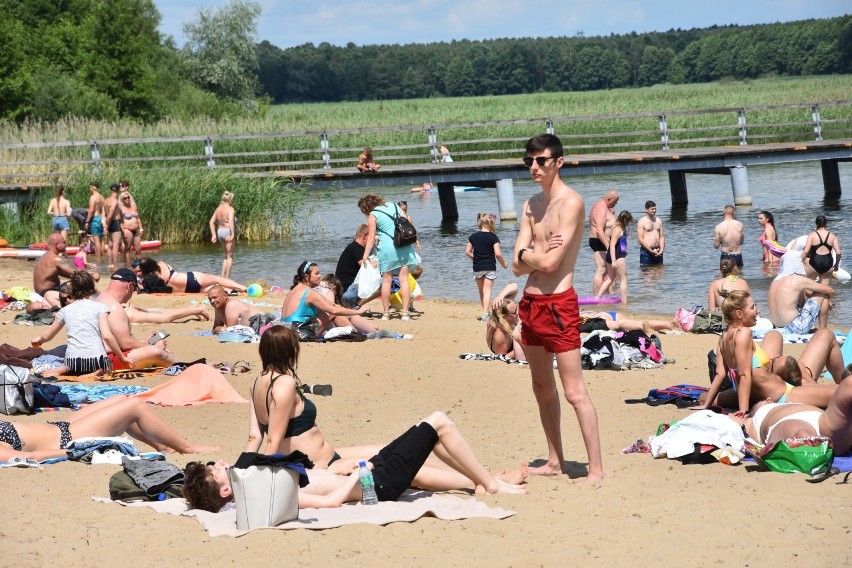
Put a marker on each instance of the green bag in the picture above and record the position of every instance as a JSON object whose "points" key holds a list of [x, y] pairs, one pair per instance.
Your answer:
{"points": [[808, 455], [123, 488], [708, 322]]}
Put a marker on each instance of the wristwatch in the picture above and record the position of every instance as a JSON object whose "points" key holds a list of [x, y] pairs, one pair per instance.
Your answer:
{"points": [[521, 254]]}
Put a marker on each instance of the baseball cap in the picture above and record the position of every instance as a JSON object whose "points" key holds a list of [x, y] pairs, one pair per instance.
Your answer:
{"points": [[124, 275]]}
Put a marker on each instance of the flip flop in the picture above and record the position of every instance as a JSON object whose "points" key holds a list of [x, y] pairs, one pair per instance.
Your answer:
{"points": [[225, 368], [243, 366]]}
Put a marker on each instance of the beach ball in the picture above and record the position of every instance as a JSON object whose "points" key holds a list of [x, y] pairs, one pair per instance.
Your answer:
{"points": [[254, 291]]}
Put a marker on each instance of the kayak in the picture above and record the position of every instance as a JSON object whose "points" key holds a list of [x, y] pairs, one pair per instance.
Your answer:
{"points": [[20, 253]]}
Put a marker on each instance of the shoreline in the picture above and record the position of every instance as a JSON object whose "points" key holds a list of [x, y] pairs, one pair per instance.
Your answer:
{"points": [[381, 388]]}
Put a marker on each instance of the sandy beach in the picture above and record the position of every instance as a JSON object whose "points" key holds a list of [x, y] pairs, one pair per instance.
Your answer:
{"points": [[646, 512]]}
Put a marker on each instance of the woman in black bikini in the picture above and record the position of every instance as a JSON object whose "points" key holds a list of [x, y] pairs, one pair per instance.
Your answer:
{"points": [[280, 412], [192, 282], [817, 252], [111, 417]]}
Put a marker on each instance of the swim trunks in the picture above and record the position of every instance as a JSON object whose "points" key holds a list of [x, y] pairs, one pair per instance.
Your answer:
{"points": [[648, 259], [192, 285], [596, 245], [96, 226], [738, 258], [60, 223], [114, 226], [44, 291], [64, 433], [223, 233], [551, 321], [116, 364], [804, 322]]}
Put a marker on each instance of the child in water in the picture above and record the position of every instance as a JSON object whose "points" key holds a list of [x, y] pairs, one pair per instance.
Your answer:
{"points": [[483, 248], [86, 248]]}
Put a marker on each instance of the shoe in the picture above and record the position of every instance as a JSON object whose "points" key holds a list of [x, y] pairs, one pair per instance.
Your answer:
{"points": [[385, 316], [405, 316], [407, 336]]}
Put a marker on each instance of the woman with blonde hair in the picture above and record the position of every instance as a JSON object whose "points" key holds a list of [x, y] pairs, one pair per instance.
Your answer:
{"points": [[223, 229], [131, 226], [483, 248]]}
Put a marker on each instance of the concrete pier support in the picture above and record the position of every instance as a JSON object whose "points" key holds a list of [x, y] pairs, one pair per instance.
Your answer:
{"points": [[506, 200], [739, 183], [677, 186], [447, 197], [830, 178]]}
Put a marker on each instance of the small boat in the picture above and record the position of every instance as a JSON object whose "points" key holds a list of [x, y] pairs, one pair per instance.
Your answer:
{"points": [[41, 247], [461, 188], [20, 253]]}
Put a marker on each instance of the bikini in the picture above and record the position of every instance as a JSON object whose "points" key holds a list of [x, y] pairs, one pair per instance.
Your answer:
{"points": [[759, 359], [9, 435], [808, 416]]}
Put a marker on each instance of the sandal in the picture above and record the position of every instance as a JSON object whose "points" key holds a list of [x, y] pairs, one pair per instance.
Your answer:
{"points": [[385, 316], [225, 368], [243, 366], [405, 316]]}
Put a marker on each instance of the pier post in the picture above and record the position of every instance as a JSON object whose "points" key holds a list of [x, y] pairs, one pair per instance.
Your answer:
{"points": [[677, 186], [739, 183], [506, 200], [447, 197], [830, 178]]}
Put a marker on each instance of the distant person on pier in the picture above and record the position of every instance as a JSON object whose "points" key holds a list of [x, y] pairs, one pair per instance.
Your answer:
{"points": [[767, 221], [445, 155], [729, 236], [652, 239], [598, 239], [366, 163]]}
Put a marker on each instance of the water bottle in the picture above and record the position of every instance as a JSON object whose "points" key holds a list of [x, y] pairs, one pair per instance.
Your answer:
{"points": [[368, 487]]}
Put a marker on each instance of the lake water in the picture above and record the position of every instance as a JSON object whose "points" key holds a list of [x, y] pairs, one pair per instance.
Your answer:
{"points": [[793, 193]]}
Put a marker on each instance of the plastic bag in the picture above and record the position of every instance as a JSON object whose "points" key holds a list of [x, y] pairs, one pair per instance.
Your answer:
{"points": [[368, 280], [806, 455]]}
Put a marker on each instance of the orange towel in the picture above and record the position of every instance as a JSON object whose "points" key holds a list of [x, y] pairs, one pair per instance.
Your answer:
{"points": [[198, 384]]}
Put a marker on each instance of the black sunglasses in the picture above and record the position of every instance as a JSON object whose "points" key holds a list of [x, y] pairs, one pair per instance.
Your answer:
{"points": [[541, 160]]}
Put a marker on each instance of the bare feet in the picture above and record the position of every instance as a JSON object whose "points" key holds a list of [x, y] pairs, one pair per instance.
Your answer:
{"points": [[589, 479], [516, 476], [546, 469]]}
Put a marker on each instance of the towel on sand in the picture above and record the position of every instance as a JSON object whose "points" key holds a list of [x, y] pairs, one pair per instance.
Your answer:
{"points": [[197, 384], [410, 507]]}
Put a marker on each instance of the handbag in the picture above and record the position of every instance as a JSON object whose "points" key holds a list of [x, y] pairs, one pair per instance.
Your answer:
{"points": [[368, 280], [404, 233], [17, 384], [265, 495]]}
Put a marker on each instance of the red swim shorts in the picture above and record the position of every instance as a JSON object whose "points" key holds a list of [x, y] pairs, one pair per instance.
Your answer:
{"points": [[118, 365], [551, 321]]}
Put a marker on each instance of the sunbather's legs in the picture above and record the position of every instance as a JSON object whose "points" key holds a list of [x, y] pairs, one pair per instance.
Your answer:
{"points": [[821, 352], [136, 315], [836, 421]]}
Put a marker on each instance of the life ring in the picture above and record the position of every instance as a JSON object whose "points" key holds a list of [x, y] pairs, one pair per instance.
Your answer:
{"points": [[776, 248], [592, 300]]}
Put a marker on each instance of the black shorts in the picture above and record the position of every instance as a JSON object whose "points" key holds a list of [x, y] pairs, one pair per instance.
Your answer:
{"points": [[588, 325], [114, 226], [596, 245], [395, 466], [737, 258]]}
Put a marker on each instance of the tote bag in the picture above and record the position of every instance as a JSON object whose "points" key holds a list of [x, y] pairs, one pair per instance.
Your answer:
{"points": [[17, 385]]}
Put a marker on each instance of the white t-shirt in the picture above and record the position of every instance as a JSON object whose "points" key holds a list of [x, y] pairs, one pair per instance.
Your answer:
{"points": [[84, 333]]}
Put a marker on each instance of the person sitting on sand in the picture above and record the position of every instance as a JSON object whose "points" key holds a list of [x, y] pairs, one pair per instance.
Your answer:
{"points": [[190, 282], [329, 288], [88, 329], [304, 302], [366, 163], [111, 417], [49, 267], [755, 374], [281, 415], [794, 301], [231, 311], [730, 280]]}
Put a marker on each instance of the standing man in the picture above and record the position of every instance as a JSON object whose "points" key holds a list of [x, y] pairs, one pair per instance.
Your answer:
{"points": [[652, 240], [95, 218], [113, 224], [598, 239], [349, 264], [551, 229], [729, 236]]}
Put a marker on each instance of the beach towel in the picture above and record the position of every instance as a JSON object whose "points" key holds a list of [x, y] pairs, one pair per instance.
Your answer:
{"points": [[845, 350], [491, 357], [410, 507], [198, 384]]}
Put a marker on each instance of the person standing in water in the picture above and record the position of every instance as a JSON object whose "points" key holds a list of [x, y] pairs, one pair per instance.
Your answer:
{"points": [[223, 229]]}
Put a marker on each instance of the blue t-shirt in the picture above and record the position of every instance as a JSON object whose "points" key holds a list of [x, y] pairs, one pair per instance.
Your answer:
{"points": [[483, 250]]}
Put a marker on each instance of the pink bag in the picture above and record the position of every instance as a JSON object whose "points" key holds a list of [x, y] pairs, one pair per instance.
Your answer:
{"points": [[685, 318]]}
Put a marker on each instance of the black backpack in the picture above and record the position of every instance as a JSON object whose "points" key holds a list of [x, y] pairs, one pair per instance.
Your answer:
{"points": [[404, 233]]}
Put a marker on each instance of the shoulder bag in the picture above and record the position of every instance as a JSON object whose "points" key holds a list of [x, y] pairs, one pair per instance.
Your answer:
{"points": [[17, 385], [404, 233]]}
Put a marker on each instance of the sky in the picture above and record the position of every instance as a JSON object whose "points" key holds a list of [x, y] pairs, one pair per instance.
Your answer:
{"points": [[288, 23]]}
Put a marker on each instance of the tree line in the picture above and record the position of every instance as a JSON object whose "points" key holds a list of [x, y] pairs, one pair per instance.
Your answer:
{"points": [[105, 59]]}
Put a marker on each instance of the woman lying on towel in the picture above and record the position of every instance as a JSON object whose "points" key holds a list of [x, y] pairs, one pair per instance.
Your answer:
{"points": [[754, 373], [191, 282], [771, 422], [110, 417], [282, 414]]}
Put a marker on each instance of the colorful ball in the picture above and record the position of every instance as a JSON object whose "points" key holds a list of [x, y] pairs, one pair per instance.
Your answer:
{"points": [[254, 291]]}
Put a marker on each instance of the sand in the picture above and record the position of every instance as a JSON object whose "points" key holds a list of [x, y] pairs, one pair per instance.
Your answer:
{"points": [[645, 513]]}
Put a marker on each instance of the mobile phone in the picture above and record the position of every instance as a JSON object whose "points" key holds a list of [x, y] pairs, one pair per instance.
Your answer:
{"points": [[162, 334]]}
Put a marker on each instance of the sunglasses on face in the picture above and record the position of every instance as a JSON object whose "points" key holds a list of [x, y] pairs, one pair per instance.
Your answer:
{"points": [[541, 160]]}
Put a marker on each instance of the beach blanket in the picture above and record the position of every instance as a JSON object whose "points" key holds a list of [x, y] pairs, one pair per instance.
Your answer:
{"points": [[845, 350], [491, 357], [198, 384], [81, 393], [410, 507]]}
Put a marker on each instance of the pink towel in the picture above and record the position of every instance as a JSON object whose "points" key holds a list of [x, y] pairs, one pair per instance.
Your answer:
{"points": [[198, 384]]}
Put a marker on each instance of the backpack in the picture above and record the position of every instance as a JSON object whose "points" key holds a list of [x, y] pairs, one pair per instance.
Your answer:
{"points": [[682, 395], [404, 233], [123, 488], [708, 322]]}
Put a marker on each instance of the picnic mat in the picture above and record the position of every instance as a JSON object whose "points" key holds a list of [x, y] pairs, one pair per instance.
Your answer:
{"points": [[410, 507]]}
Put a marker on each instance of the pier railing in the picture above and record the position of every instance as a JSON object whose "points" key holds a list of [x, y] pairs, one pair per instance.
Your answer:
{"points": [[35, 164]]}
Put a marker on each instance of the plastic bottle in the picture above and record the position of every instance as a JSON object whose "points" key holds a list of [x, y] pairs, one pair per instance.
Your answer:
{"points": [[368, 488]]}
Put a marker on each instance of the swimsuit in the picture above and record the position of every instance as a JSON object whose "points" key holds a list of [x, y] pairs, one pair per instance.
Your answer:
{"points": [[646, 258], [596, 245], [721, 291], [737, 257], [96, 226], [64, 434], [192, 285], [303, 311], [783, 398], [551, 321], [223, 233], [9, 435], [44, 291], [298, 424], [809, 416], [821, 262], [114, 226], [620, 249]]}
